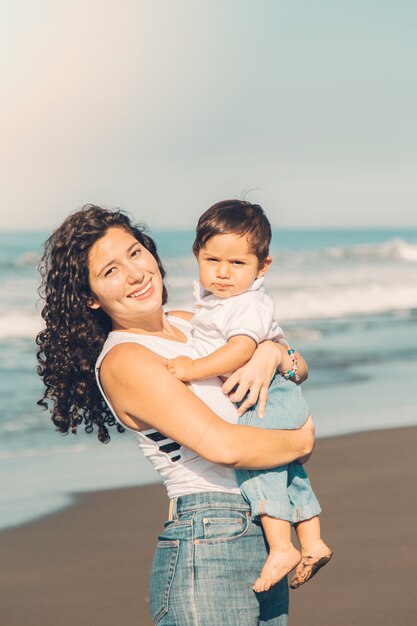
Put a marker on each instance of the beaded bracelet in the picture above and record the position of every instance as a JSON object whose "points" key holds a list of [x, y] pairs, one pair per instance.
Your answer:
{"points": [[291, 374]]}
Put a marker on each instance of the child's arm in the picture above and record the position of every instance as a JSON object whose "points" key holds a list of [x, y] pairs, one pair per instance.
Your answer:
{"points": [[235, 353]]}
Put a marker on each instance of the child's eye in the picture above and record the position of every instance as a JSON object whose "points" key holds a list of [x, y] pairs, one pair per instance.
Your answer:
{"points": [[238, 263], [211, 259]]}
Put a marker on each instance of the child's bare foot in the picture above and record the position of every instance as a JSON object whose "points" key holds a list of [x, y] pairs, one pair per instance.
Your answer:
{"points": [[313, 558], [276, 566]]}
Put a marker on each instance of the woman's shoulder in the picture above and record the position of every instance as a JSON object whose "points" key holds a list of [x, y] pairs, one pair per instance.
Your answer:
{"points": [[119, 346], [182, 315]]}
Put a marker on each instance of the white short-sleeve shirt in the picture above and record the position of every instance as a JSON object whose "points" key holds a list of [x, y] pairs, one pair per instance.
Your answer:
{"points": [[216, 320]]}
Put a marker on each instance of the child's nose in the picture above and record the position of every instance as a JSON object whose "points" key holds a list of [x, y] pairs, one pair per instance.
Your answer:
{"points": [[223, 270]]}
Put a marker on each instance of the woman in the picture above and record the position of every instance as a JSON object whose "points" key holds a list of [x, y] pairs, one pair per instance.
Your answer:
{"points": [[104, 291]]}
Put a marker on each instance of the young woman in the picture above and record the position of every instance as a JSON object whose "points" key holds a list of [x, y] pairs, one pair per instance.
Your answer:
{"points": [[104, 291]]}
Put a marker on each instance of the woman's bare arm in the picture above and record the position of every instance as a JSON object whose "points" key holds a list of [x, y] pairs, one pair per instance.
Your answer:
{"points": [[144, 394]]}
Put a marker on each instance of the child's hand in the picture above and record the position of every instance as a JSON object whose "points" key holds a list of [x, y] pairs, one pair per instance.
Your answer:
{"points": [[181, 367]]}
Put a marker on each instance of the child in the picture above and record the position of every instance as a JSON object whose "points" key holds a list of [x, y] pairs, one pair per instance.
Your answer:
{"points": [[232, 315]]}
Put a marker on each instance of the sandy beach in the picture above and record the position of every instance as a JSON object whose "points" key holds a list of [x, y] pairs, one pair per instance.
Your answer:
{"points": [[89, 564]]}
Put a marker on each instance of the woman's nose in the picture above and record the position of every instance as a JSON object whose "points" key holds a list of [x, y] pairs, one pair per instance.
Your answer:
{"points": [[135, 275]]}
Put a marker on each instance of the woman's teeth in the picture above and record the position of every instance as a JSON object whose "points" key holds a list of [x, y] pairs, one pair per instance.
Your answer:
{"points": [[141, 291]]}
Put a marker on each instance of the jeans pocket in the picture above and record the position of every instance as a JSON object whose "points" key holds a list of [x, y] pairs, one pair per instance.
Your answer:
{"points": [[217, 529], [162, 575]]}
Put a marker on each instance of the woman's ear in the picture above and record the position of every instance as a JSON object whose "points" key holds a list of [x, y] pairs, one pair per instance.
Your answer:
{"points": [[92, 303], [264, 266]]}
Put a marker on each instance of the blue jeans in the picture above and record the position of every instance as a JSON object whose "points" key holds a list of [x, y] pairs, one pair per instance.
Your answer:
{"points": [[206, 561], [282, 492]]}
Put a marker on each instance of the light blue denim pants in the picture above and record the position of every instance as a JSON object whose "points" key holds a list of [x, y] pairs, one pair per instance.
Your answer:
{"points": [[282, 492], [206, 561]]}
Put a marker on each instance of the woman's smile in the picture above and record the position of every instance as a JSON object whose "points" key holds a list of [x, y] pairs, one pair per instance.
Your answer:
{"points": [[143, 293]]}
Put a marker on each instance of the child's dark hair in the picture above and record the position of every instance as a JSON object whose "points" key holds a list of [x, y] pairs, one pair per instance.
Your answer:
{"points": [[236, 217]]}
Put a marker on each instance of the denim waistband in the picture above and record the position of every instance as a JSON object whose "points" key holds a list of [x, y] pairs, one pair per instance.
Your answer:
{"points": [[207, 500]]}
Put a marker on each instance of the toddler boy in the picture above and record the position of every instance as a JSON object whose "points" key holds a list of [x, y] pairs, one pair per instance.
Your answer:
{"points": [[233, 314]]}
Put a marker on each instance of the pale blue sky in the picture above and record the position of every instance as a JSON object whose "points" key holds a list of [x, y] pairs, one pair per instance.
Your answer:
{"points": [[164, 107]]}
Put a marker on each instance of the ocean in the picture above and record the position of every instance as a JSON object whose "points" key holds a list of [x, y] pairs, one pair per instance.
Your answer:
{"points": [[347, 299]]}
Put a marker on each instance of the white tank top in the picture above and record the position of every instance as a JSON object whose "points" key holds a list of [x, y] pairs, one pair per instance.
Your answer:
{"points": [[182, 470]]}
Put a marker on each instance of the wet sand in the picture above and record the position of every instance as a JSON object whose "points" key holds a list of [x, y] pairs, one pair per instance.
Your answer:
{"points": [[89, 564]]}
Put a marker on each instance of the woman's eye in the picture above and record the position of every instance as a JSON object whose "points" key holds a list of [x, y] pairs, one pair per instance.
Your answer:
{"points": [[135, 252], [111, 270]]}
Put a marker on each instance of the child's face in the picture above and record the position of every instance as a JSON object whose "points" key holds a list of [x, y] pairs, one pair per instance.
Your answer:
{"points": [[227, 266]]}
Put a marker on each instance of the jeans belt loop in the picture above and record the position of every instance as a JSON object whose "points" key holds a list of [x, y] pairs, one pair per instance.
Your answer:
{"points": [[172, 510]]}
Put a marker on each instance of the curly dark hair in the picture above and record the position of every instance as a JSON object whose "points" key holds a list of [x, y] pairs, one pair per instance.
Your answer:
{"points": [[75, 333]]}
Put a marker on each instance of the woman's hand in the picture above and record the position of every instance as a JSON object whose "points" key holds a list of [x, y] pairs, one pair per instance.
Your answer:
{"points": [[254, 377], [309, 429]]}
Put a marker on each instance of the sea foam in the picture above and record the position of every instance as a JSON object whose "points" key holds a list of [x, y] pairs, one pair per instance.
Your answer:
{"points": [[14, 324]]}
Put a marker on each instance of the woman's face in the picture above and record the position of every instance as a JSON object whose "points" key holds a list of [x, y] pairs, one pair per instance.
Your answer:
{"points": [[124, 279]]}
